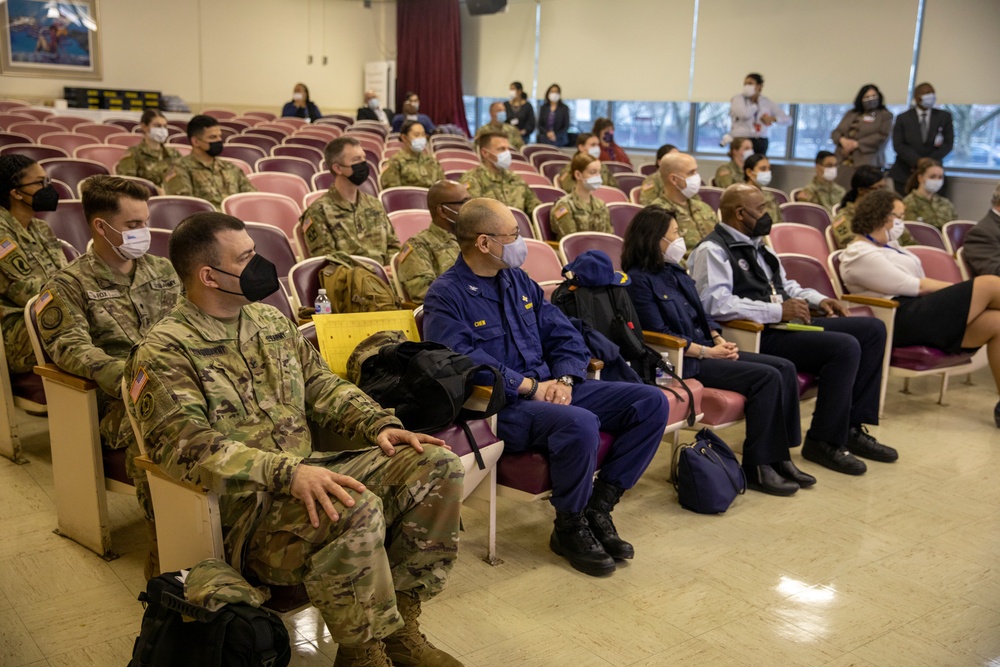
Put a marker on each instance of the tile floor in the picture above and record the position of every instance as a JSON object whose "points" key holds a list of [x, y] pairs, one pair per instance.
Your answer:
{"points": [[898, 567]]}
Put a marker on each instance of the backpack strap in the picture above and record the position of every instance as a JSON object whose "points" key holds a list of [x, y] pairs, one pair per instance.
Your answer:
{"points": [[670, 371], [472, 444], [497, 398]]}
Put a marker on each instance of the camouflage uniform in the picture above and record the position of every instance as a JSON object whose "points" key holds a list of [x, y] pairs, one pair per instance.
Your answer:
{"points": [[695, 220], [416, 169], [225, 406], [89, 317], [843, 234], [504, 186], [728, 174], [149, 163], [424, 257], [823, 192], [572, 214], [934, 211], [362, 228], [189, 177], [567, 182], [514, 137], [27, 258], [652, 189], [772, 206]]}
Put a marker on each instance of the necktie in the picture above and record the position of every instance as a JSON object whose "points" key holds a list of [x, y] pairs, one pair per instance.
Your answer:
{"points": [[924, 125]]}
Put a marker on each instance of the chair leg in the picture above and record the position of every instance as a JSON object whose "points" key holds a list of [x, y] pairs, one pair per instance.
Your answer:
{"points": [[968, 380], [906, 386], [944, 389], [10, 437], [491, 545]]}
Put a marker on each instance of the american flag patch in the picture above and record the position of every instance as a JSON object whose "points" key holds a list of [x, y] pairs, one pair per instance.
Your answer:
{"points": [[44, 300], [6, 246], [138, 383], [308, 223]]}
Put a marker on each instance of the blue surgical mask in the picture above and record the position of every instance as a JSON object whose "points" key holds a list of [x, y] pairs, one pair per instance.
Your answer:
{"points": [[502, 117], [513, 254]]}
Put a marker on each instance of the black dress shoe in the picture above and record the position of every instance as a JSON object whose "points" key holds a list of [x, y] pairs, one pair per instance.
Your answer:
{"points": [[788, 470], [861, 443], [996, 414], [766, 479], [834, 458]]}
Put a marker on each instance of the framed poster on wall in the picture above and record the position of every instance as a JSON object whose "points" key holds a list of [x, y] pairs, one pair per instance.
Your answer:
{"points": [[47, 38]]}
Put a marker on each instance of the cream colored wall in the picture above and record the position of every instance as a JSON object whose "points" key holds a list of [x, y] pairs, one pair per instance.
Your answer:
{"points": [[236, 53]]}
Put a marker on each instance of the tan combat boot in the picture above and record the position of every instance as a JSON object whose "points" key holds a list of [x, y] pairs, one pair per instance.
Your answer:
{"points": [[369, 654], [409, 646]]}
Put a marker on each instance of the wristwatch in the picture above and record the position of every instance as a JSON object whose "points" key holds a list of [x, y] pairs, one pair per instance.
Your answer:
{"points": [[566, 380]]}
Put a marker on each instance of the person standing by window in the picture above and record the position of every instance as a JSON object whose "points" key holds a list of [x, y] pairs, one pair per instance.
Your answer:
{"points": [[553, 119], [862, 134], [520, 114], [920, 132], [753, 114]]}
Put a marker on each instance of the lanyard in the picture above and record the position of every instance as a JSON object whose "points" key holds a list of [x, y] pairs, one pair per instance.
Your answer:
{"points": [[883, 245]]}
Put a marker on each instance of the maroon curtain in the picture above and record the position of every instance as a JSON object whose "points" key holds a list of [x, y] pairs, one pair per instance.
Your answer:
{"points": [[429, 58]]}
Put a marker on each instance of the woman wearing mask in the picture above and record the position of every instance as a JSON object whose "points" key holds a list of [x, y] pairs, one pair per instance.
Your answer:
{"points": [[732, 172], [520, 114], [667, 301], [753, 114], [152, 158], [757, 172], [301, 106], [922, 201], [866, 179], [29, 252], [580, 211], [553, 118], [604, 130], [414, 165], [937, 314], [862, 133], [588, 144]]}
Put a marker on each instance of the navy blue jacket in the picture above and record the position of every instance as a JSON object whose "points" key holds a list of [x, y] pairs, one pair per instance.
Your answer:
{"points": [[667, 301], [311, 111], [503, 322]]}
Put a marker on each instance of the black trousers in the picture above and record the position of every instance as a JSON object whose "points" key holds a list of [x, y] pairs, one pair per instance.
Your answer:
{"points": [[771, 387], [847, 357], [760, 145]]}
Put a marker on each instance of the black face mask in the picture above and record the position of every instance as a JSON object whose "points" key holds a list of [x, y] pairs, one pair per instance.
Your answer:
{"points": [[214, 148], [762, 227], [44, 199], [258, 281], [359, 173]]}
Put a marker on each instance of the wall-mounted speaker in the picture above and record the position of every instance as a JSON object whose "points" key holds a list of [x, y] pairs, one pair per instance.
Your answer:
{"points": [[482, 7]]}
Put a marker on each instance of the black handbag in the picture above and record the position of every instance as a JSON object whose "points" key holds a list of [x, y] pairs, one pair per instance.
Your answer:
{"points": [[707, 475]]}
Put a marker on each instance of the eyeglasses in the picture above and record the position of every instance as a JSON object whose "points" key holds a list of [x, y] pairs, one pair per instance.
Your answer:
{"points": [[454, 203], [516, 234], [45, 182]]}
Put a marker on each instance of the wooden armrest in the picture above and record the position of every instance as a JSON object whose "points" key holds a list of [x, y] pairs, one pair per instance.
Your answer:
{"points": [[873, 301], [56, 374], [144, 463], [484, 393], [664, 340], [409, 305], [743, 325], [595, 365], [554, 245]]}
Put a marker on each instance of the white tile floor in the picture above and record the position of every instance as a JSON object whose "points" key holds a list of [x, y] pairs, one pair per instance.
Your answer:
{"points": [[898, 567]]}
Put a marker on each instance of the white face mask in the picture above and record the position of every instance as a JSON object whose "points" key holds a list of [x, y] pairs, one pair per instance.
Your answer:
{"points": [[554, 97], [159, 134], [503, 160], [896, 232], [298, 97], [373, 103], [747, 153], [502, 117], [692, 185], [416, 107], [419, 144], [829, 173], [594, 152], [749, 90], [593, 182], [135, 242], [932, 185], [675, 251], [927, 101], [511, 94], [764, 179]]}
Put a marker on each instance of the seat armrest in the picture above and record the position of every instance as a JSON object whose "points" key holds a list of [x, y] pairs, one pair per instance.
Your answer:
{"points": [[595, 365], [554, 245], [408, 305], [144, 463], [664, 340], [744, 325], [52, 372], [873, 301]]}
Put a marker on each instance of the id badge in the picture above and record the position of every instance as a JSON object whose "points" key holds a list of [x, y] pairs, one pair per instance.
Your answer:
{"points": [[776, 298]]}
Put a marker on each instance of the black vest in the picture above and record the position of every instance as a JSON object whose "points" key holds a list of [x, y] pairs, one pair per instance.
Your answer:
{"points": [[749, 280]]}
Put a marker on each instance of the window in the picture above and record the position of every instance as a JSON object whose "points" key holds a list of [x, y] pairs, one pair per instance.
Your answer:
{"points": [[583, 113], [652, 124], [977, 136], [714, 123], [813, 126]]}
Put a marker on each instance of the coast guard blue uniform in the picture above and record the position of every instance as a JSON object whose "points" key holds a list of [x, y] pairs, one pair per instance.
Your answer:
{"points": [[506, 323]]}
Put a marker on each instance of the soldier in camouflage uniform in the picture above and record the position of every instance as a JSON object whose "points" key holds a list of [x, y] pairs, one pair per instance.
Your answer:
{"points": [[757, 173], [866, 178], [413, 165], [222, 389], [652, 187], [493, 178], [732, 172], [500, 125], [823, 188], [345, 218], [431, 252], [151, 159], [580, 211], [695, 218], [922, 201], [202, 174], [591, 145], [29, 251], [91, 313]]}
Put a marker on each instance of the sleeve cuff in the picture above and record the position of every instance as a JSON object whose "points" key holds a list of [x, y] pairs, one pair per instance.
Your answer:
{"points": [[284, 470], [388, 421], [773, 313]]}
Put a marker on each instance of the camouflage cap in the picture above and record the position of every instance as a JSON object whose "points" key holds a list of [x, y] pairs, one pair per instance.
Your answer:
{"points": [[213, 583], [368, 348]]}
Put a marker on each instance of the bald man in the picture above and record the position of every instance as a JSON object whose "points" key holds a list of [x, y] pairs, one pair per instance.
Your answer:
{"points": [[695, 218], [739, 277], [433, 251], [652, 187], [489, 309], [372, 110], [498, 123]]}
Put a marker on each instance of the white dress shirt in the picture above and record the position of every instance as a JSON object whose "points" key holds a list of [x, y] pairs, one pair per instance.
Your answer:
{"points": [[746, 116], [882, 271]]}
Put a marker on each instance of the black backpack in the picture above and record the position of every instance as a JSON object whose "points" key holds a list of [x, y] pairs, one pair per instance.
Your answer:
{"points": [[237, 635]]}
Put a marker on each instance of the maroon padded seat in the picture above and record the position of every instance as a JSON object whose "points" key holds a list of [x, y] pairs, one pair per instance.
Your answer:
{"points": [[28, 386], [808, 384], [455, 436], [679, 410], [114, 465], [528, 471], [923, 358], [721, 406]]}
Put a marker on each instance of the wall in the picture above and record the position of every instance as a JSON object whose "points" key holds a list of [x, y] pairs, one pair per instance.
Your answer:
{"points": [[235, 53]]}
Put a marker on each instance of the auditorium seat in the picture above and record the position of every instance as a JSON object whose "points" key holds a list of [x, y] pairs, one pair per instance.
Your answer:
{"points": [[573, 245], [275, 182], [68, 223], [246, 152], [244, 166], [65, 192], [159, 243], [458, 164], [220, 113], [546, 193], [167, 211], [954, 233], [610, 195], [9, 138], [779, 195], [314, 155], [404, 197], [711, 196], [648, 169], [627, 181], [236, 125], [551, 169], [67, 141], [310, 198], [99, 132], [106, 154], [318, 143], [289, 165], [806, 213], [926, 234], [271, 242], [617, 167], [622, 214], [521, 168], [322, 180], [542, 262], [72, 171], [409, 222], [541, 216], [34, 129], [127, 124], [278, 210], [791, 237], [149, 185], [260, 141], [270, 131], [34, 151], [456, 153], [937, 263], [524, 225]]}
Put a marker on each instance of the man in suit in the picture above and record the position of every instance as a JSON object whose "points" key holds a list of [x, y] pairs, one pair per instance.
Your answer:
{"points": [[982, 243], [372, 111], [922, 131]]}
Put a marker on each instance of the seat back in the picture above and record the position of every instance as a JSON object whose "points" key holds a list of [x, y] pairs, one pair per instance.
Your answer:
{"points": [[551, 169], [246, 152], [314, 155], [100, 132], [67, 141], [277, 183], [167, 211], [272, 243], [220, 113], [319, 143], [106, 154], [72, 171], [520, 168], [542, 217], [573, 245], [610, 195], [403, 198], [546, 193], [627, 181], [409, 222], [396, 282], [458, 164], [962, 264], [542, 262], [69, 250], [159, 242], [617, 167], [926, 234], [127, 124], [146, 183], [954, 233], [537, 158], [69, 224], [523, 223], [34, 151], [321, 180], [791, 237], [779, 195], [622, 214], [277, 135], [9, 138], [807, 271], [65, 192], [806, 213], [711, 196], [937, 263], [289, 165], [33, 129], [456, 153], [261, 141], [303, 280], [277, 210], [833, 264]]}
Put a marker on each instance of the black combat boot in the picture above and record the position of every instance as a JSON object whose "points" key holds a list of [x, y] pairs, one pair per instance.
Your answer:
{"points": [[598, 513], [573, 540]]}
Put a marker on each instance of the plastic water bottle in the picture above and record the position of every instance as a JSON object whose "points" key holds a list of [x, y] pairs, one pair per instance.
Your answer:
{"points": [[323, 306], [663, 378]]}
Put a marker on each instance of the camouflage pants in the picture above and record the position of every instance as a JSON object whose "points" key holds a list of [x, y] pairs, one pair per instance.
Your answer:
{"points": [[401, 535], [17, 345]]}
